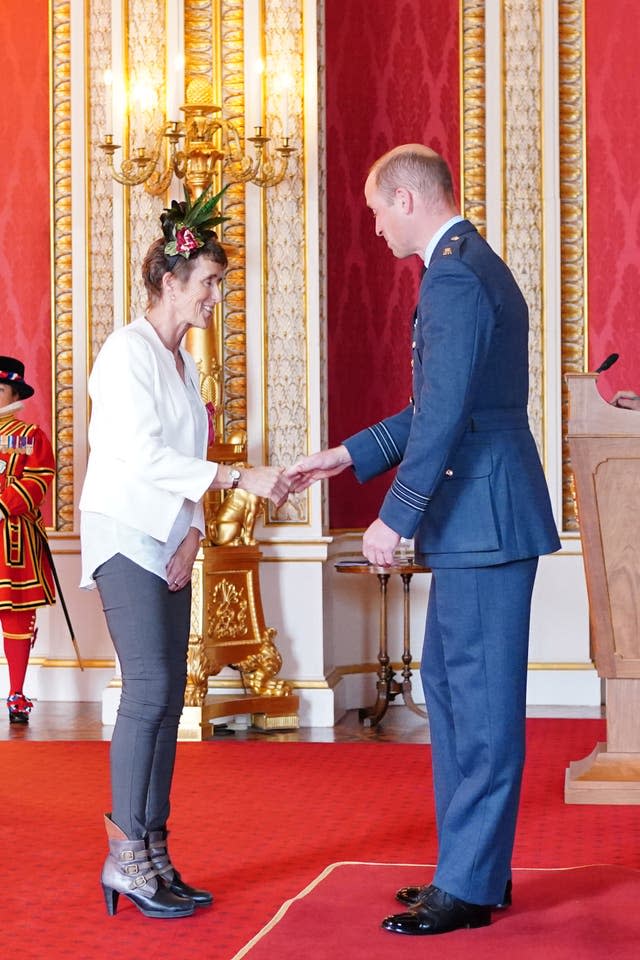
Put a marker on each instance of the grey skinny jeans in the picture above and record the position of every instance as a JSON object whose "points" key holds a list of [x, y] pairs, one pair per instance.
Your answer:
{"points": [[149, 626]]}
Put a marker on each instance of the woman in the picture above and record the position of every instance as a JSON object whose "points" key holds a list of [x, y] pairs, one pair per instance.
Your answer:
{"points": [[142, 522], [27, 468]]}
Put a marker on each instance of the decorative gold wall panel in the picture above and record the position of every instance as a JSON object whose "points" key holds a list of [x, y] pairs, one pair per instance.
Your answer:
{"points": [[62, 318], [523, 181], [214, 49], [100, 191], [287, 400], [145, 53]]}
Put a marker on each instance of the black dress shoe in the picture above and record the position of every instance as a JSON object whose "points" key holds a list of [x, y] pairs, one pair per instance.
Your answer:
{"points": [[439, 912], [413, 896]]}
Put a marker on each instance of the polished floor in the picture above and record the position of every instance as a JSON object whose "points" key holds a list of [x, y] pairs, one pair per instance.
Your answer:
{"points": [[82, 721]]}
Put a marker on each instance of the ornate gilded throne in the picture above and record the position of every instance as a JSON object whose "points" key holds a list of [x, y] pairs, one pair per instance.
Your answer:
{"points": [[227, 621]]}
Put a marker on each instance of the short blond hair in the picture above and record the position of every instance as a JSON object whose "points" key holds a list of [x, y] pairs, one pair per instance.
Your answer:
{"points": [[417, 168]]}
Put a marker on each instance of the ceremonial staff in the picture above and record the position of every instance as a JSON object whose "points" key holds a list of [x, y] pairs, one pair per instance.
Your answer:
{"points": [[60, 594]]}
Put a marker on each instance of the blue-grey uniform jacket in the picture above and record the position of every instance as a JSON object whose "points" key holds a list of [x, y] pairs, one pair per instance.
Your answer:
{"points": [[469, 485]]}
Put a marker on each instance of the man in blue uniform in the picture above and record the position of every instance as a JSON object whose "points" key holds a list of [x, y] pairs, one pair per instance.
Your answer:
{"points": [[470, 489]]}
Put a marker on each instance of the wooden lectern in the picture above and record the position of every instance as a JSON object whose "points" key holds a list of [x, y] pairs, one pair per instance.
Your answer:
{"points": [[604, 444]]}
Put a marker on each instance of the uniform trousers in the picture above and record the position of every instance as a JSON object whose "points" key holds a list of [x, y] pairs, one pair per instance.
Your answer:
{"points": [[474, 675], [149, 626]]}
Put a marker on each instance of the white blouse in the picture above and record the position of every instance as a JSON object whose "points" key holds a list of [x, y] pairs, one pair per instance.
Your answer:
{"points": [[138, 421]]}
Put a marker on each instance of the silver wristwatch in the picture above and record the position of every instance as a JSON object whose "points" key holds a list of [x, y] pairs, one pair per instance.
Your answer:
{"points": [[234, 473]]}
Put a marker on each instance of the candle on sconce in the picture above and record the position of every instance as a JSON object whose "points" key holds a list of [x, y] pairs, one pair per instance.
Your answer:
{"points": [[175, 87], [285, 122], [259, 70], [108, 100], [286, 84]]}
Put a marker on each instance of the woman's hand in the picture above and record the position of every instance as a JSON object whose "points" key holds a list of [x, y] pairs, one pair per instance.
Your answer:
{"points": [[267, 482], [181, 563]]}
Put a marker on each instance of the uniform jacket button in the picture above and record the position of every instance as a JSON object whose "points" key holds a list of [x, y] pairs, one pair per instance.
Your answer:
{"points": [[448, 472]]}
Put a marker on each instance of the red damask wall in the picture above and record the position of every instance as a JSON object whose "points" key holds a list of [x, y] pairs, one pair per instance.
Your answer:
{"points": [[25, 282], [613, 189], [392, 77]]}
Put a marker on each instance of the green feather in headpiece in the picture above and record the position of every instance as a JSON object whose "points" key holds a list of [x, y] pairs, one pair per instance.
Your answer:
{"points": [[185, 225]]}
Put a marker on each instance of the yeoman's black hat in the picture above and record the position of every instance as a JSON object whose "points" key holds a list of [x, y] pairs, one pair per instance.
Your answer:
{"points": [[12, 373]]}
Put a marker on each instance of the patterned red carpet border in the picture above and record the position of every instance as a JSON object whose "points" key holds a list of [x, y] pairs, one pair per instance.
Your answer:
{"points": [[577, 913], [256, 822]]}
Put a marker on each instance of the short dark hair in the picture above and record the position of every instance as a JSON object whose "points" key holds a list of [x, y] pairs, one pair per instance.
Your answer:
{"points": [[157, 263]]}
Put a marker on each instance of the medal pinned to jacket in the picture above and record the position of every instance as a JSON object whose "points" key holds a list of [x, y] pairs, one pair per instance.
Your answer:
{"points": [[27, 468]]}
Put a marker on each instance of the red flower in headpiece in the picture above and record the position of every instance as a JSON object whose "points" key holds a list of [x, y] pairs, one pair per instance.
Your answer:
{"points": [[186, 241], [187, 225]]}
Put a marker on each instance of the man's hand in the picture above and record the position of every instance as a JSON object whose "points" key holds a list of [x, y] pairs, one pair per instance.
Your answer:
{"points": [[379, 543], [627, 399], [317, 466]]}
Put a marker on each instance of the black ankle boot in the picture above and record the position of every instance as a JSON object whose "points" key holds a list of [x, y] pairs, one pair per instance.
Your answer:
{"points": [[128, 870], [157, 842]]}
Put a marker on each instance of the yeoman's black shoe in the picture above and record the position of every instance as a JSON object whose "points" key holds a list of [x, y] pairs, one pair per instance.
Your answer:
{"points": [[19, 707], [438, 912], [413, 896]]}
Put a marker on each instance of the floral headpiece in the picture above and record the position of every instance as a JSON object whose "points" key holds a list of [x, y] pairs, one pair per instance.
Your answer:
{"points": [[187, 226]]}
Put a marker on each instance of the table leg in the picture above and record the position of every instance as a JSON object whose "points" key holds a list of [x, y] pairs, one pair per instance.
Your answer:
{"points": [[386, 686], [406, 651]]}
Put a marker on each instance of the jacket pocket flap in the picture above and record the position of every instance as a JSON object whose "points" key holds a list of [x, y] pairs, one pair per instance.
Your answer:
{"points": [[471, 460]]}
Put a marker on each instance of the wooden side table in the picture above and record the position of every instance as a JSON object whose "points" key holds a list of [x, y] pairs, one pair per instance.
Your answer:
{"points": [[387, 686]]}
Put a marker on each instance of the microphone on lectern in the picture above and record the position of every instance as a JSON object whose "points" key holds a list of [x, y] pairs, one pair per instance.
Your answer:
{"points": [[609, 362]]}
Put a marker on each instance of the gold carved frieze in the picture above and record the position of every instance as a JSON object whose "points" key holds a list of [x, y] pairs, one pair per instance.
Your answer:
{"points": [[572, 212], [322, 240], [197, 665], [474, 201], [233, 346], [235, 632], [228, 611], [62, 315]]}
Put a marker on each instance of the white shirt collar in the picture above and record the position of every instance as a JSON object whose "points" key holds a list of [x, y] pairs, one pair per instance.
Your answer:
{"points": [[11, 408], [435, 239]]}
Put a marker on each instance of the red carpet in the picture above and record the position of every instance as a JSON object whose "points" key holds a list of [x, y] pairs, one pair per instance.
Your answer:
{"points": [[256, 822], [572, 914]]}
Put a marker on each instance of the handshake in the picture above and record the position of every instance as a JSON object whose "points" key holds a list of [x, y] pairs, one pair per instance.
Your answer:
{"points": [[276, 483], [379, 542]]}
